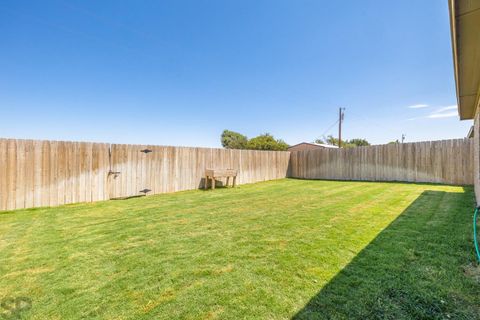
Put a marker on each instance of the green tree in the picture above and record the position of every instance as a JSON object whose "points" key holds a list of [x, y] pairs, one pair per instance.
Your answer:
{"points": [[346, 144], [266, 142], [359, 142], [331, 140], [233, 140]]}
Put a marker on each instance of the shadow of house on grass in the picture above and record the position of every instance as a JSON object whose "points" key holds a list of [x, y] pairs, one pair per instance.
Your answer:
{"points": [[414, 269]]}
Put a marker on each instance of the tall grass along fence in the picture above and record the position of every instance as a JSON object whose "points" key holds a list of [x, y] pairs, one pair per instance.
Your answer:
{"points": [[446, 161], [48, 173]]}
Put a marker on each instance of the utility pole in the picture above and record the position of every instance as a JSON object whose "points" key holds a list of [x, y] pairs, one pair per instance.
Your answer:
{"points": [[340, 120], [403, 137]]}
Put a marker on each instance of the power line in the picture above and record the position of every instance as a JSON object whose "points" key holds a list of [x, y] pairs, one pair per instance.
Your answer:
{"points": [[329, 128]]}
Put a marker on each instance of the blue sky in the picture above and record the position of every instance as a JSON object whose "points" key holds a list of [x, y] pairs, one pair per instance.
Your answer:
{"points": [[179, 72]]}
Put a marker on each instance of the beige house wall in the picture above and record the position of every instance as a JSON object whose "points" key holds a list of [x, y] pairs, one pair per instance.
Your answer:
{"points": [[476, 157]]}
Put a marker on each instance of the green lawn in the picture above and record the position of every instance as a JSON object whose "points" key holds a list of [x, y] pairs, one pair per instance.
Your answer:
{"points": [[273, 250]]}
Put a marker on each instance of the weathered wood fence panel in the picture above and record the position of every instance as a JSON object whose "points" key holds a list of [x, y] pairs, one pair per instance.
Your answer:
{"points": [[169, 169], [445, 161], [49, 173]]}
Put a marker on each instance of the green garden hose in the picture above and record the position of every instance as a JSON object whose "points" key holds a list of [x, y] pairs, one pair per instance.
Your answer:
{"points": [[475, 233]]}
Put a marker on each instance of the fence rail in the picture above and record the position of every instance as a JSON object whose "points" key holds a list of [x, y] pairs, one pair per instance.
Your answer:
{"points": [[37, 173], [445, 161]]}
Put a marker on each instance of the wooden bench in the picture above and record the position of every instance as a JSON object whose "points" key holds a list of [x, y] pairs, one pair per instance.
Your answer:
{"points": [[215, 174]]}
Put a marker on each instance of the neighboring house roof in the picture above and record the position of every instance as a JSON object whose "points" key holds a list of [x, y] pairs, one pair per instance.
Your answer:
{"points": [[465, 30], [320, 145]]}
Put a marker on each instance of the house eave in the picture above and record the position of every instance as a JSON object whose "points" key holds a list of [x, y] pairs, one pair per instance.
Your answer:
{"points": [[465, 34]]}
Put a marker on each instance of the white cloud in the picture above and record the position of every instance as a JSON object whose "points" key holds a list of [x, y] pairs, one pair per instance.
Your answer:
{"points": [[442, 112], [442, 115], [445, 109], [418, 106]]}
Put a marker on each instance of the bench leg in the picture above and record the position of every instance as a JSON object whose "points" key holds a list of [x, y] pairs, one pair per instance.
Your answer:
{"points": [[234, 181], [213, 183], [206, 183], [228, 181]]}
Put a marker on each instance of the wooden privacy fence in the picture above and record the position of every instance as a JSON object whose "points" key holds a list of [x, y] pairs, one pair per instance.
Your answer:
{"points": [[48, 173], [171, 169], [446, 161]]}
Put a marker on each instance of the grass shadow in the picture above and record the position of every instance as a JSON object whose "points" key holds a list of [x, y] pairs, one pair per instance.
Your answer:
{"points": [[416, 268], [128, 197], [219, 184]]}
